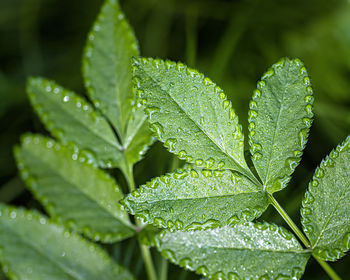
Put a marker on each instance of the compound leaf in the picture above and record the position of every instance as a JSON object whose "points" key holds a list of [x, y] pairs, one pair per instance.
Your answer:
{"points": [[71, 119], [190, 114], [326, 207], [84, 197], [195, 199], [107, 72], [280, 116], [246, 251], [33, 248]]}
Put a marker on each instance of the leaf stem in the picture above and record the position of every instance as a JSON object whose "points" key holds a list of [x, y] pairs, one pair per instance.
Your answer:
{"points": [[146, 253], [163, 274], [289, 221], [326, 267]]}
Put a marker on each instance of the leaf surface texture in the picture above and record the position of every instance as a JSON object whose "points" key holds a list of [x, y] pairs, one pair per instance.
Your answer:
{"points": [[326, 207], [84, 197], [33, 248], [190, 115], [195, 199], [245, 251], [279, 118]]}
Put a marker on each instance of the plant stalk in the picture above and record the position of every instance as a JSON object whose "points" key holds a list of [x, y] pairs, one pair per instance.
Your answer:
{"points": [[146, 253], [163, 274], [326, 267]]}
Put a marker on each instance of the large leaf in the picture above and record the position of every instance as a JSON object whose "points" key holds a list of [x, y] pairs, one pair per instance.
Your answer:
{"points": [[326, 206], [34, 248], [72, 190], [280, 116], [107, 72], [71, 119], [246, 251], [196, 199], [190, 114]]}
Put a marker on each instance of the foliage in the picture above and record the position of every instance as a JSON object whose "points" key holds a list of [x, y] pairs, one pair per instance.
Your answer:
{"points": [[201, 217]]}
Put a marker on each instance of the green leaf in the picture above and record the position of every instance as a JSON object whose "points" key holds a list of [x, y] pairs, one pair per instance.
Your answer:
{"points": [[71, 119], [197, 199], [84, 197], [107, 72], [246, 251], [280, 116], [190, 114], [33, 248], [326, 207]]}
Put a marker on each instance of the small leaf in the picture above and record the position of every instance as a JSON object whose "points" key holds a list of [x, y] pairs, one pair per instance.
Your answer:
{"points": [[326, 207], [197, 199], [191, 115], [138, 137], [33, 247], [107, 72], [71, 119], [84, 197], [280, 116], [246, 251]]}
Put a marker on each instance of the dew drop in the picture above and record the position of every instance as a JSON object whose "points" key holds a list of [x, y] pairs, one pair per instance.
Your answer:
{"points": [[209, 162], [314, 183], [261, 85], [66, 98], [157, 129], [306, 81], [268, 74], [256, 94], [302, 136], [170, 144], [307, 122], [319, 173], [225, 104]]}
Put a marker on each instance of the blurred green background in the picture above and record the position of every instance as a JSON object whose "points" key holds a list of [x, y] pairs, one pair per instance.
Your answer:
{"points": [[232, 42]]}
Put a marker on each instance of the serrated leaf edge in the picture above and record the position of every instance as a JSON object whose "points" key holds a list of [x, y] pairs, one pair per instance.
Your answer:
{"points": [[157, 128], [292, 161], [81, 104], [326, 163], [245, 215], [30, 215], [187, 262], [127, 30], [50, 207]]}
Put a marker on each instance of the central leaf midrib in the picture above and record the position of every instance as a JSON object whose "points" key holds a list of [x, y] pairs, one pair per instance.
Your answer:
{"points": [[323, 229], [88, 127], [60, 175], [208, 197], [275, 135], [222, 150], [252, 249]]}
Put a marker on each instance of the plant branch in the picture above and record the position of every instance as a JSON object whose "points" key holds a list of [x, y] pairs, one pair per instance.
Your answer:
{"points": [[327, 268], [163, 274], [146, 254]]}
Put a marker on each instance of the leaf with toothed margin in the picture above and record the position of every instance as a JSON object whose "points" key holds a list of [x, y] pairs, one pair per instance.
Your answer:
{"points": [[192, 199], [33, 247], [326, 206], [245, 251], [107, 74], [70, 118], [279, 118], [191, 115], [84, 197]]}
